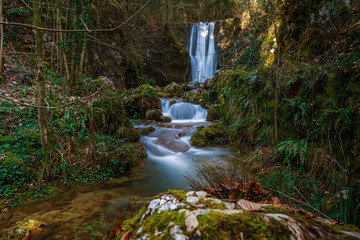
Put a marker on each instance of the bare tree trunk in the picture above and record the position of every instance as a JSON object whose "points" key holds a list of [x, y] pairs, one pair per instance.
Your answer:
{"points": [[40, 50], [277, 85], [2, 36], [83, 54]]}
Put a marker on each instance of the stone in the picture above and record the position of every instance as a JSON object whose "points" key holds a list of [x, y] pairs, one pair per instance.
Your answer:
{"points": [[202, 194], [174, 89], [165, 119], [229, 205], [192, 200], [139, 231], [105, 83], [153, 114], [191, 193], [147, 130], [191, 222]]}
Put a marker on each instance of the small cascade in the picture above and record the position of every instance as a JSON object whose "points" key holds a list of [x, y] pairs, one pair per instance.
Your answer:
{"points": [[202, 51], [183, 112]]}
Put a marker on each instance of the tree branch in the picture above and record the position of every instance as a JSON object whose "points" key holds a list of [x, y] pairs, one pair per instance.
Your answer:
{"points": [[79, 30], [52, 108]]}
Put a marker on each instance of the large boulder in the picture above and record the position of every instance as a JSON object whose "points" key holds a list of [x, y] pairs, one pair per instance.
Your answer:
{"points": [[196, 215], [154, 114], [211, 135], [139, 100], [174, 90]]}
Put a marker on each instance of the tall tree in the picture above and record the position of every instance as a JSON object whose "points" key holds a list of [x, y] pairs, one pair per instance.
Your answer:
{"points": [[40, 77], [2, 36]]}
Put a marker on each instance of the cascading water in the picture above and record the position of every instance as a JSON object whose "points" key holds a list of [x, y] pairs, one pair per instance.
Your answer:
{"points": [[202, 51], [183, 112]]}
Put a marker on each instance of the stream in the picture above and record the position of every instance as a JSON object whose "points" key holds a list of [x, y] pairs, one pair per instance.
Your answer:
{"points": [[87, 208]]}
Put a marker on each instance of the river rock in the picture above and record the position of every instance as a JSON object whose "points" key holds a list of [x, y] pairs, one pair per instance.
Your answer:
{"points": [[154, 114], [174, 90]]}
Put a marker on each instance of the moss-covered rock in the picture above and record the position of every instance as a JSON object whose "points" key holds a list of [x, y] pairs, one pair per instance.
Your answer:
{"points": [[213, 114], [12, 170], [209, 136], [172, 102], [147, 130], [166, 119], [195, 215], [129, 133], [154, 114], [141, 99], [174, 90]]}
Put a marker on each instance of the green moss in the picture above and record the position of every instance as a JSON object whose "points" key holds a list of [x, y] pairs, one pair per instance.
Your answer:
{"points": [[146, 131], [12, 170], [212, 204], [154, 114], [165, 119], [174, 90], [208, 135], [215, 225]]}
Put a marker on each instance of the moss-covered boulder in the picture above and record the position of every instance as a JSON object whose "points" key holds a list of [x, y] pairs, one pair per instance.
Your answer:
{"points": [[147, 130], [105, 83], [213, 114], [196, 215], [166, 119], [174, 90], [12, 170], [154, 114], [129, 133], [209, 136], [141, 99]]}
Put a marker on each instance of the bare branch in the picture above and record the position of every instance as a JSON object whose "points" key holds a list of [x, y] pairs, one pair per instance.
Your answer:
{"points": [[52, 108], [79, 30]]}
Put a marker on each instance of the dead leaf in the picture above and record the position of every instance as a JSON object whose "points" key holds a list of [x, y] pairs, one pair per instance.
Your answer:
{"points": [[126, 236], [232, 197], [276, 201], [26, 236], [249, 206]]}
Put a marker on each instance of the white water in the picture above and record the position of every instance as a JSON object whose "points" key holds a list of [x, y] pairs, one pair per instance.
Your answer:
{"points": [[183, 112], [202, 51]]}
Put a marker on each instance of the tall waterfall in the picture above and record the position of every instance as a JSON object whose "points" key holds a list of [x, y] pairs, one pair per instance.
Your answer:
{"points": [[202, 51]]}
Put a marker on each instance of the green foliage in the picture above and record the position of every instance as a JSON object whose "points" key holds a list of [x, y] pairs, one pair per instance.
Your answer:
{"points": [[292, 150]]}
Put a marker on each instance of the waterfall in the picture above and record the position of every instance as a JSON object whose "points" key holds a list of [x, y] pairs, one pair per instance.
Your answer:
{"points": [[202, 51], [183, 112]]}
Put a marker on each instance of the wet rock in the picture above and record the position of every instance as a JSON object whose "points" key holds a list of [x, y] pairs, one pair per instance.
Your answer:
{"points": [[147, 130], [165, 119], [209, 136], [172, 102], [174, 90], [213, 114], [154, 114], [230, 205], [207, 84]]}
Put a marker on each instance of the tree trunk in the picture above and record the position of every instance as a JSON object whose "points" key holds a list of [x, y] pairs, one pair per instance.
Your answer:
{"points": [[2, 36], [40, 51], [277, 85]]}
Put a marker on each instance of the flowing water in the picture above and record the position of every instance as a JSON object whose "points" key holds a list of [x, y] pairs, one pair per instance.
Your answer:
{"points": [[170, 157], [202, 51]]}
